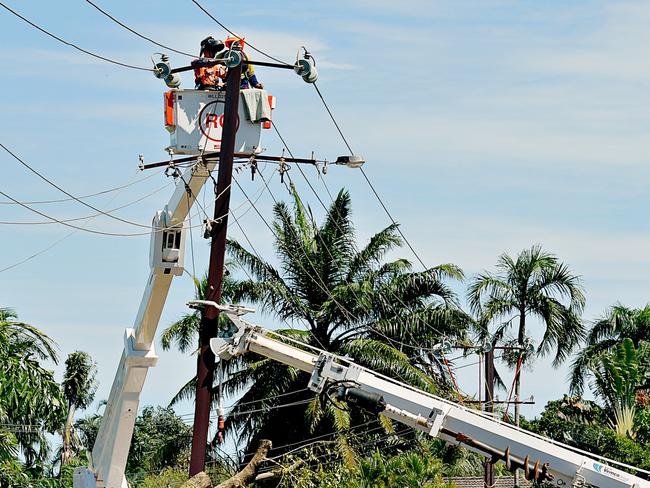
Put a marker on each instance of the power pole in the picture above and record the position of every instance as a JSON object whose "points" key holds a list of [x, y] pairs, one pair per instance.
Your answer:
{"points": [[488, 477], [210, 316]]}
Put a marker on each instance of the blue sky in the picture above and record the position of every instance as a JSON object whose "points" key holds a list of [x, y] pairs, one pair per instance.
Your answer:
{"points": [[488, 126]]}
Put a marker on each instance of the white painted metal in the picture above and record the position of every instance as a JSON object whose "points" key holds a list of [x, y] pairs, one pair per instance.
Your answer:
{"points": [[114, 437], [198, 122], [429, 413]]}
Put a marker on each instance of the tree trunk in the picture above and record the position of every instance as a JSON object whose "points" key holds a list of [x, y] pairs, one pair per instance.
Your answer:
{"points": [[66, 450], [248, 474], [199, 480]]}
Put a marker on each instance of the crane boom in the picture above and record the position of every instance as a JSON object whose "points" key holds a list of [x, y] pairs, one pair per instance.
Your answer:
{"points": [[166, 254], [541, 459]]}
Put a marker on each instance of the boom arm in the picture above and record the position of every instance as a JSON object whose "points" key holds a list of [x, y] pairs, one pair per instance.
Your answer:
{"points": [[540, 458], [111, 447]]}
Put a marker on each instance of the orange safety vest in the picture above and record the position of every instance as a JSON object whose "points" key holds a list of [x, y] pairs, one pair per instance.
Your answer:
{"points": [[209, 75]]}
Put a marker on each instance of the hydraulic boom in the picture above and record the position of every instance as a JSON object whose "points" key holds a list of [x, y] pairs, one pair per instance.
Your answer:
{"points": [[541, 459]]}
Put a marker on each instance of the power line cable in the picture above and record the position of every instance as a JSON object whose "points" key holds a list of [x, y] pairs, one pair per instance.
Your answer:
{"points": [[338, 128], [75, 219], [232, 33], [70, 44], [83, 197], [133, 31], [69, 234], [77, 199], [389, 339]]}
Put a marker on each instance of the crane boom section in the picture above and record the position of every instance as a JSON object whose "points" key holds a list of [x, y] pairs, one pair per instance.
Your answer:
{"points": [[539, 458]]}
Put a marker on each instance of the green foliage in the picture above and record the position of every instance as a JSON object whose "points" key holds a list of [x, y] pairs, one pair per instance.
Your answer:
{"points": [[79, 383], [79, 387], [346, 300], [618, 375], [31, 401], [160, 440], [419, 467], [617, 324], [343, 299], [583, 424], [167, 478]]}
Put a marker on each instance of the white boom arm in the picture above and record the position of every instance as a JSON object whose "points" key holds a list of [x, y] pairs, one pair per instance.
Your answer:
{"points": [[540, 458], [166, 261]]}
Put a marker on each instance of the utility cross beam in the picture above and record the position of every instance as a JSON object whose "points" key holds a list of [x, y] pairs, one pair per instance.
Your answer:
{"points": [[238, 155]]}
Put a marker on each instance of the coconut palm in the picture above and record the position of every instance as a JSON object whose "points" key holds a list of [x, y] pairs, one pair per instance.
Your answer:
{"points": [[333, 296], [79, 387], [534, 285], [618, 323], [31, 401]]}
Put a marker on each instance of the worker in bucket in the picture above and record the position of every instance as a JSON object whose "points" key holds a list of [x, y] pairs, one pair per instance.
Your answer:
{"points": [[248, 78], [206, 76]]}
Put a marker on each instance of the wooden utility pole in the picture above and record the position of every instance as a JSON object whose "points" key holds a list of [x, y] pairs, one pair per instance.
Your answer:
{"points": [[488, 477], [210, 316]]}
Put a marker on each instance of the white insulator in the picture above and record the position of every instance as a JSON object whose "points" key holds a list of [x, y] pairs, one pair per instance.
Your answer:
{"points": [[173, 80]]}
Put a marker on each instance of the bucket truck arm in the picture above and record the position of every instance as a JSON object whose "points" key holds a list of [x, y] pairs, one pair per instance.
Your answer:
{"points": [[541, 459], [166, 252]]}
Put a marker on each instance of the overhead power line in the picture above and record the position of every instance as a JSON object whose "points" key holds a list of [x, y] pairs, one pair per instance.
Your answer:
{"points": [[236, 35], [133, 31], [72, 45], [338, 128], [76, 219], [83, 197], [77, 199]]}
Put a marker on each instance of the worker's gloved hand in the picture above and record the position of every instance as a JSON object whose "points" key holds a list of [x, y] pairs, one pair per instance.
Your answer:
{"points": [[259, 86]]}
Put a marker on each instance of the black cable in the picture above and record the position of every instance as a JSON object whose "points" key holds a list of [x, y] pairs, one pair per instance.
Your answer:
{"points": [[77, 199], [338, 128], [76, 219], [63, 41], [83, 197], [232, 33], [142, 36]]}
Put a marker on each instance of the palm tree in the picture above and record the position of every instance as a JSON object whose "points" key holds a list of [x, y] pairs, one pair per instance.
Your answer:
{"points": [[618, 375], [618, 323], [534, 285], [31, 401], [335, 297], [79, 387]]}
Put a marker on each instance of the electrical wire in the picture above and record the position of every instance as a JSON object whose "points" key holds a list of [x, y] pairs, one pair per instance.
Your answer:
{"points": [[133, 31], [374, 329], [281, 395], [44, 222], [70, 44], [77, 199], [232, 33], [91, 231], [58, 241], [83, 197], [338, 128]]}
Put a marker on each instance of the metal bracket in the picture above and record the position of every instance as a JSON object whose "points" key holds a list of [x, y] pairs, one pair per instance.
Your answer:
{"points": [[318, 380], [437, 417], [234, 312]]}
